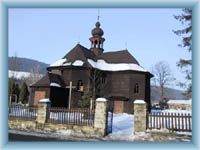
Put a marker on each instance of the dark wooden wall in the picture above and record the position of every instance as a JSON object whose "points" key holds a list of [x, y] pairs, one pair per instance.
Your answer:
{"points": [[76, 74], [121, 85], [34, 101]]}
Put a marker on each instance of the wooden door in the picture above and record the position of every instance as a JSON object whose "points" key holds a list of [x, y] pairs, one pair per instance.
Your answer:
{"points": [[38, 96], [118, 106]]}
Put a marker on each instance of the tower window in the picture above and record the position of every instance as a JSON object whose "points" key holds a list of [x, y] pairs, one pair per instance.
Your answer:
{"points": [[80, 85], [136, 88]]}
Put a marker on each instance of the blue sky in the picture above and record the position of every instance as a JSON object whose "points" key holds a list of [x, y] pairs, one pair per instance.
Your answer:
{"points": [[48, 34]]}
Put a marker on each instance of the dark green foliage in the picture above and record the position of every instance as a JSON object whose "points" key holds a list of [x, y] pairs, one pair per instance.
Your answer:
{"points": [[24, 93], [85, 101], [13, 90], [11, 85], [186, 33]]}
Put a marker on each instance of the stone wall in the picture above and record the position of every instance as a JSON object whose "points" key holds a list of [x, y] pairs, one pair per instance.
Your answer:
{"points": [[98, 130], [73, 130], [15, 123], [100, 121], [140, 116]]}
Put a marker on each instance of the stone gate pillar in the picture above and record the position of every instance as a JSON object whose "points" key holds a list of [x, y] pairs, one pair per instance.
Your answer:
{"points": [[100, 120], [140, 118], [42, 112]]}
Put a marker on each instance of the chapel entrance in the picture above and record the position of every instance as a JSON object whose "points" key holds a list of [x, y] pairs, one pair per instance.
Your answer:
{"points": [[59, 97], [118, 106]]}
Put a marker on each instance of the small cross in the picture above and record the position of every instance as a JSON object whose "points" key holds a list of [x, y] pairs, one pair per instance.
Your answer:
{"points": [[98, 15], [78, 39]]}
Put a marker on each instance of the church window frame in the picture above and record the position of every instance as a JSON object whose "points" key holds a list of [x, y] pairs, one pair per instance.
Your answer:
{"points": [[80, 85], [136, 88]]}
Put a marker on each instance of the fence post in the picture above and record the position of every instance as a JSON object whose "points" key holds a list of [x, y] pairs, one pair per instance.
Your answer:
{"points": [[42, 113], [100, 120], [140, 118]]}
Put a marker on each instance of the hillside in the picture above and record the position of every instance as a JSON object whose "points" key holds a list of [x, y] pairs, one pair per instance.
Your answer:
{"points": [[26, 65], [168, 93]]}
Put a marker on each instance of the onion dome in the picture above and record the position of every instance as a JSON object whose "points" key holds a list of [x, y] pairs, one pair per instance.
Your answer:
{"points": [[97, 31]]}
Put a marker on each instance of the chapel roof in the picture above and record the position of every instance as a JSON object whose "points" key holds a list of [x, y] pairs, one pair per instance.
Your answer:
{"points": [[122, 56], [48, 79], [80, 56], [79, 52]]}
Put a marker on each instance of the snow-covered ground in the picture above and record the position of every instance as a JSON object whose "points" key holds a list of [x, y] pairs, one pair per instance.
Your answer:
{"points": [[21, 74], [180, 102], [18, 74], [176, 111], [123, 126]]}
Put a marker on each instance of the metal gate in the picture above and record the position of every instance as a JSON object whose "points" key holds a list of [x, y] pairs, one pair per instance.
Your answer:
{"points": [[109, 121]]}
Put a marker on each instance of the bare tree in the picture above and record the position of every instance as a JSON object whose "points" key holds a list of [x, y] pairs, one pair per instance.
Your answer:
{"points": [[14, 66], [34, 75], [162, 76], [95, 78]]}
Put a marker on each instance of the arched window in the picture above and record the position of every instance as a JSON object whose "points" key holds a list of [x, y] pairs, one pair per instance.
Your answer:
{"points": [[80, 85], [95, 43], [136, 88]]}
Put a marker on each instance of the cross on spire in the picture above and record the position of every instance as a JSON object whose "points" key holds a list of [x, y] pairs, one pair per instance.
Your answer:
{"points": [[98, 15], [78, 38]]}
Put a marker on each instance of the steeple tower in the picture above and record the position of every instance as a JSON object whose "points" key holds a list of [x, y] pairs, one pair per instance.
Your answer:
{"points": [[97, 39]]}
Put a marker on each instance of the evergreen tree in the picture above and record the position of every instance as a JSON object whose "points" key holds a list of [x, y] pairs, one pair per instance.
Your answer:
{"points": [[16, 91], [13, 90], [24, 93], [85, 101], [186, 33], [11, 86]]}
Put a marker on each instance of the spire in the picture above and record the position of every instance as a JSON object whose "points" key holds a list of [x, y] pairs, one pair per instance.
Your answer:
{"points": [[97, 39]]}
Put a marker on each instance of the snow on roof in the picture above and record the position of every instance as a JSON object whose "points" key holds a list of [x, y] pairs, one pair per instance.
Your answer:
{"points": [[67, 64], [138, 101], [59, 62], [102, 65], [44, 100], [55, 84], [180, 101], [78, 63], [62, 62]]}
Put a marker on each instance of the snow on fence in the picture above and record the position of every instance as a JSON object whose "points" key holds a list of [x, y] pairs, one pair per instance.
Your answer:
{"points": [[170, 121], [71, 116], [23, 112]]}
